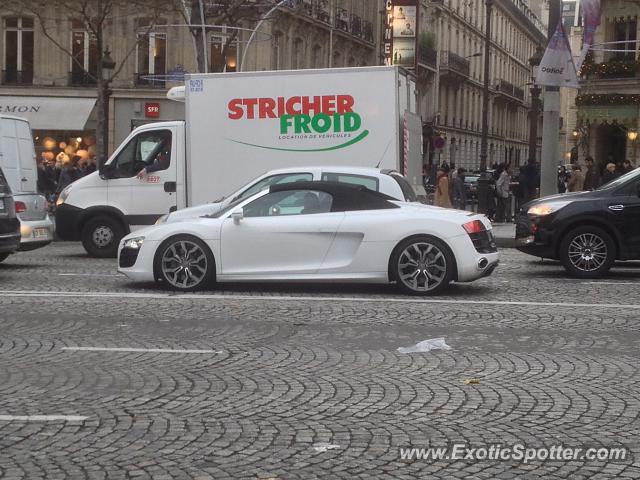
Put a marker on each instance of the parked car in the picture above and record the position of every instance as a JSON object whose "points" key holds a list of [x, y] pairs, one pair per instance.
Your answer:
{"points": [[315, 231], [586, 231], [9, 223], [18, 161], [388, 182]]}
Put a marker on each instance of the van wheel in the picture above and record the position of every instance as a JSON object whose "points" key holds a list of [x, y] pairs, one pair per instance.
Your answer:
{"points": [[3, 256], [185, 263], [101, 237], [587, 252]]}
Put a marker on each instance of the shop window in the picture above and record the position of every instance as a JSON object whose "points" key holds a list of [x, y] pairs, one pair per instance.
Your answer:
{"points": [[625, 32], [84, 55], [18, 51], [316, 56], [297, 54], [151, 53], [224, 57]]}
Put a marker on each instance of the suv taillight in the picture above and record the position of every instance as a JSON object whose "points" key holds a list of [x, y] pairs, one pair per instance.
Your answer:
{"points": [[20, 207]]}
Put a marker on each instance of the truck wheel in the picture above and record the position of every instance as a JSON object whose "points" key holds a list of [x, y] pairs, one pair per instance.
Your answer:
{"points": [[185, 263], [587, 252], [3, 256], [101, 236]]}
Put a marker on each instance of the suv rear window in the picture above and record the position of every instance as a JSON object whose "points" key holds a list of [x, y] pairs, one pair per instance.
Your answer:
{"points": [[407, 189]]}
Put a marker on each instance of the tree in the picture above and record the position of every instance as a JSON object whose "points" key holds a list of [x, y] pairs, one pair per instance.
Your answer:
{"points": [[97, 18], [206, 16]]}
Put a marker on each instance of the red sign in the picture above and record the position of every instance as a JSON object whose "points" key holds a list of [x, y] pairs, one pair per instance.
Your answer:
{"points": [[152, 110]]}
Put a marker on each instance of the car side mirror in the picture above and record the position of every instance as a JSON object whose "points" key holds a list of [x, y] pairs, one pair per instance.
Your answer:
{"points": [[107, 170], [237, 215]]}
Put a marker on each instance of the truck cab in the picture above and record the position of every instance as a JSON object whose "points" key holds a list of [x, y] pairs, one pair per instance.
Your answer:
{"points": [[141, 181]]}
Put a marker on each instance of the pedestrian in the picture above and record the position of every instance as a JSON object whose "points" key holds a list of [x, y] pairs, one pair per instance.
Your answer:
{"points": [[576, 181], [502, 194], [627, 166], [592, 177], [562, 179], [69, 173], [610, 174], [459, 192], [530, 181], [442, 189]]}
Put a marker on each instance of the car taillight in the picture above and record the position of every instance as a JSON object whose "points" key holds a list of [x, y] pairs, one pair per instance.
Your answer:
{"points": [[475, 226], [20, 207]]}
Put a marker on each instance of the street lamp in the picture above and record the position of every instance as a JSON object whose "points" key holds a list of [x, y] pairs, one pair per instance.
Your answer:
{"points": [[483, 181], [633, 136], [534, 113], [105, 75]]}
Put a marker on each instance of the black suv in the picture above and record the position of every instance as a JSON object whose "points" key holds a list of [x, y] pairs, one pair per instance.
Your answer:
{"points": [[9, 223], [586, 231]]}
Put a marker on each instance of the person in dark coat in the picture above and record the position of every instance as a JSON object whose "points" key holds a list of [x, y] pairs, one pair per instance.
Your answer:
{"points": [[459, 192], [68, 174], [610, 174], [592, 176]]}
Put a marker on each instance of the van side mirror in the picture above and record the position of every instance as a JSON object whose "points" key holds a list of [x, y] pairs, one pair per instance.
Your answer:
{"points": [[106, 170], [237, 215]]}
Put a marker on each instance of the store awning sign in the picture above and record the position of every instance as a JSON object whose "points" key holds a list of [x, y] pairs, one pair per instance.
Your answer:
{"points": [[50, 113]]}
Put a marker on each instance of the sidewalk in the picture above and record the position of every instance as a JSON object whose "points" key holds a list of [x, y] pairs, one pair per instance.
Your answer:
{"points": [[504, 234]]}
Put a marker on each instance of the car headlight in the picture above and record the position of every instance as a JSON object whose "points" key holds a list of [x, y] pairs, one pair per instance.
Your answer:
{"points": [[162, 219], [63, 195], [547, 208], [134, 243]]}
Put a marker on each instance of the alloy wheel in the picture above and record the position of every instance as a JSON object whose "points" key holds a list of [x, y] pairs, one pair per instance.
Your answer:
{"points": [[587, 252], [184, 264], [422, 267]]}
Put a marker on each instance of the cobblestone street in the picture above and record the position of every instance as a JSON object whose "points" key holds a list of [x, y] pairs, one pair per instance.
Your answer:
{"points": [[101, 378]]}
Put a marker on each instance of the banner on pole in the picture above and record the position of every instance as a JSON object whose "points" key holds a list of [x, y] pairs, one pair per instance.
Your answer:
{"points": [[591, 21], [557, 68]]}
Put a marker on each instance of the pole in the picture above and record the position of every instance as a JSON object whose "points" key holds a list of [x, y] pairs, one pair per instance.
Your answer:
{"points": [[204, 39], [332, 19], [483, 181], [534, 113], [255, 30], [550, 122]]}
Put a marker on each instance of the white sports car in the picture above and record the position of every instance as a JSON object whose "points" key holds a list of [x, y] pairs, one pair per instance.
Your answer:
{"points": [[315, 231]]}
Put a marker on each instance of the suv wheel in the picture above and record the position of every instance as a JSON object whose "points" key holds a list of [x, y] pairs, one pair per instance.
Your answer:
{"points": [[101, 236], [587, 252]]}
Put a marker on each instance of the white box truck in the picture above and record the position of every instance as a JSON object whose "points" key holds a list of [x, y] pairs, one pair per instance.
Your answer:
{"points": [[238, 126]]}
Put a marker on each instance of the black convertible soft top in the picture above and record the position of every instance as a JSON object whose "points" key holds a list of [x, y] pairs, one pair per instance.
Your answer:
{"points": [[346, 197]]}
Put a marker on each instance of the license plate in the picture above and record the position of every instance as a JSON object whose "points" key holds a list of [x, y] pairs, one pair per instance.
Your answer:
{"points": [[40, 232]]}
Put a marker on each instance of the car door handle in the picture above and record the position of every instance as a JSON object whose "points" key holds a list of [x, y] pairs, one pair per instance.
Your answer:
{"points": [[616, 208]]}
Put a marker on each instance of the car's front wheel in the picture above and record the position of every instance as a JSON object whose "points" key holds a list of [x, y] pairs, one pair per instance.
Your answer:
{"points": [[587, 252], [185, 263], [423, 265]]}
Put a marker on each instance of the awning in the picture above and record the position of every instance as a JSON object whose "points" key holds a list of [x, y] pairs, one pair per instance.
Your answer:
{"points": [[50, 113], [623, 114]]}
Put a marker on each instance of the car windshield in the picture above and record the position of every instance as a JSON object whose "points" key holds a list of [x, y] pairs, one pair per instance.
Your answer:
{"points": [[621, 180], [226, 209]]}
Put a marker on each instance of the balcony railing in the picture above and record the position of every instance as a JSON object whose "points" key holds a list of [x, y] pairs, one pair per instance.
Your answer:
{"points": [[81, 79], [510, 89], [356, 25], [342, 19], [17, 77], [147, 80], [450, 62], [427, 56], [322, 10]]}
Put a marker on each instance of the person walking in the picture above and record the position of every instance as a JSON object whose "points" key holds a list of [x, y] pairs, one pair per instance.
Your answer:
{"points": [[530, 181], [502, 194], [576, 181], [459, 192], [610, 174], [68, 174], [562, 179], [442, 189], [627, 166], [592, 177]]}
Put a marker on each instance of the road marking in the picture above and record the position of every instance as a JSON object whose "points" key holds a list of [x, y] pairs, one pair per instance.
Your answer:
{"points": [[612, 283], [89, 274], [137, 350], [289, 298], [42, 418]]}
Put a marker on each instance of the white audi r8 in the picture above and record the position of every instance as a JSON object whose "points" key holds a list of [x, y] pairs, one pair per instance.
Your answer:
{"points": [[315, 231]]}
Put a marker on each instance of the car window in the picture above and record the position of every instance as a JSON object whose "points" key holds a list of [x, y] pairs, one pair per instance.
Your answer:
{"points": [[147, 149], [289, 202], [274, 180], [407, 189], [621, 180], [371, 183]]}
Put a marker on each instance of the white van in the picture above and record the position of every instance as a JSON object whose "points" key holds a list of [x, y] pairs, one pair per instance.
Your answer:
{"points": [[238, 126], [18, 161]]}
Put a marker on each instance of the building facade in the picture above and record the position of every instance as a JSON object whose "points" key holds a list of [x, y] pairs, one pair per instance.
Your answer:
{"points": [[52, 81], [608, 104], [451, 69]]}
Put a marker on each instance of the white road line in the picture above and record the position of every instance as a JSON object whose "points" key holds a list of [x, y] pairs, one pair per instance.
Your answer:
{"points": [[89, 274], [289, 298], [41, 418], [612, 283], [137, 350]]}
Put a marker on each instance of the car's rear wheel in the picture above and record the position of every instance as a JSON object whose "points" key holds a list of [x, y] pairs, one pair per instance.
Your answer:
{"points": [[423, 265], [3, 256], [185, 263], [587, 252], [101, 236]]}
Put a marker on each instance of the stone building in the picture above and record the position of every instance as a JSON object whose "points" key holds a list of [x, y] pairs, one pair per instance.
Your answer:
{"points": [[40, 81]]}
